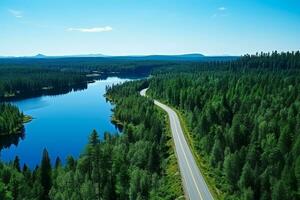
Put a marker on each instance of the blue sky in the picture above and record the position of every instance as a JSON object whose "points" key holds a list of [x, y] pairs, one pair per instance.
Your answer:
{"points": [[138, 27]]}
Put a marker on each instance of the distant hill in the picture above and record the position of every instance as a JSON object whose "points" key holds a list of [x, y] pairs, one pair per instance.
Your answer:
{"points": [[65, 56], [40, 56], [71, 56], [183, 57], [191, 55], [82, 56]]}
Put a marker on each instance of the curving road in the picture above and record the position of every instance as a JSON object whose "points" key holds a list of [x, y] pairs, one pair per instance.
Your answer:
{"points": [[193, 181]]}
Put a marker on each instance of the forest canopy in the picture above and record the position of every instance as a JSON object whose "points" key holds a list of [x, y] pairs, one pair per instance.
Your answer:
{"points": [[244, 121], [243, 117], [11, 119], [137, 164]]}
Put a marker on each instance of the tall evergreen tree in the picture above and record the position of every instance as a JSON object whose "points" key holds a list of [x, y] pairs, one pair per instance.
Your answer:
{"points": [[17, 163], [45, 171]]}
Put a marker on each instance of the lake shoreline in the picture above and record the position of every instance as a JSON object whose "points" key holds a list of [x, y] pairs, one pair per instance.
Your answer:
{"points": [[62, 123], [27, 119]]}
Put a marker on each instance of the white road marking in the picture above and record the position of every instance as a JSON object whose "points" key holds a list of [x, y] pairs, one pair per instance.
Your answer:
{"points": [[188, 176], [187, 162]]}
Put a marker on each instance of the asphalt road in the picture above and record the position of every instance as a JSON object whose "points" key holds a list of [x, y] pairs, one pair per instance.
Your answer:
{"points": [[193, 181]]}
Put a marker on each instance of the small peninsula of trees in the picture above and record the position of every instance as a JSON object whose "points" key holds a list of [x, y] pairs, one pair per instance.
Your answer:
{"points": [[11, 119], [243, 116], [137, 164], [27, 82], [27, 77]]}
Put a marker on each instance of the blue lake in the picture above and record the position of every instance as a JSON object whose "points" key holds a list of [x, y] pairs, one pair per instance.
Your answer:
{"points": [[63, 123]]}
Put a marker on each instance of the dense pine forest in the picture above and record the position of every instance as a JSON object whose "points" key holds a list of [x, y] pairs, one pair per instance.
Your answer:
{"points": [[11, 120], [244, 120], [23, 78], [28, 82], [138, 164], [243, 117], [27, 77]]}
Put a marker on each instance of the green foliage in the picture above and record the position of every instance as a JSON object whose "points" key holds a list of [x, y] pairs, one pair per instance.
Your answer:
{"points": [[23, 78], [127, 166], [45, 171], [244, 117], [21, 82], [244, 120], [11, 119]]}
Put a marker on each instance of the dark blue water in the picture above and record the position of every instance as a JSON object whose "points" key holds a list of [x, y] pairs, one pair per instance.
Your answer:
{"points": [[62, 123]]}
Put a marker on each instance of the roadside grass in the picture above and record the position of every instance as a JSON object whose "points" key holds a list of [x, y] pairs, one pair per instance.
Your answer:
{"points": [[173, 183], [172, 187], [202, 161]]}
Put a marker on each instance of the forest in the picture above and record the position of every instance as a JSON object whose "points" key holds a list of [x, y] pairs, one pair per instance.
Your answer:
{"points": [[28, 77], [244, 119], [24, 78], [128, 67], [28, 82], [11, 120], [137, 164]]}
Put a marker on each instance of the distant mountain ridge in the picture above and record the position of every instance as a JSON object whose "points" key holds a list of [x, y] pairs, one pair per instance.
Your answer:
{"points": [[162, 57], [180, 57]]}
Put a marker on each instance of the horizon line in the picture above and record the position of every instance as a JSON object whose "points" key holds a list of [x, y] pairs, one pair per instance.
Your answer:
{"points": [[113, 55]]}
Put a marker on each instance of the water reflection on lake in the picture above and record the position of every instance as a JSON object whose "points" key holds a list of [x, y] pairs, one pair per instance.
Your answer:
{"points": [[62, 123]]}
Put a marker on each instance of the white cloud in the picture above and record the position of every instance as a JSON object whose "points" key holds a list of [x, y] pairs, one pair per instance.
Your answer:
{"points": [[92, 30], [16, 13], [222, 12]]}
